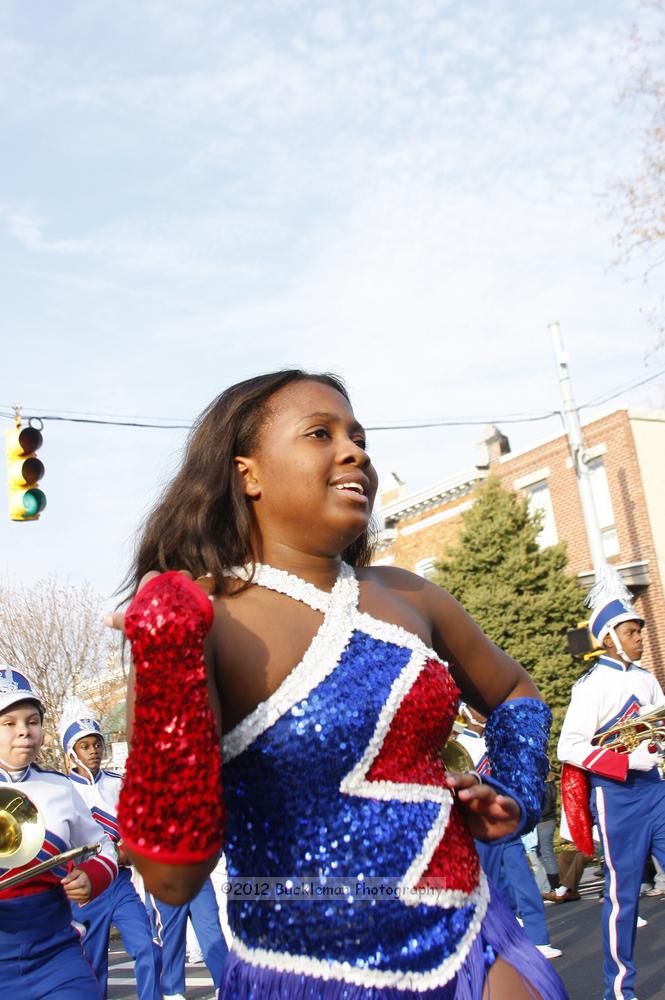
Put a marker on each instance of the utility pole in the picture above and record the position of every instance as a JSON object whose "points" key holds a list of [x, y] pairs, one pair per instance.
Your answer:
{"points": [[578, 452]]}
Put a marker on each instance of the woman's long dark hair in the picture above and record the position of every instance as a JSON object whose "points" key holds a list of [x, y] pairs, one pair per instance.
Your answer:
{"points": [[202, 523]]}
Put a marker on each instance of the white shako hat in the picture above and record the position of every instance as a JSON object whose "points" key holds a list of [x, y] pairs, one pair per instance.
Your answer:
{"points": [[77, 721], [15, 686], [611, 603]]}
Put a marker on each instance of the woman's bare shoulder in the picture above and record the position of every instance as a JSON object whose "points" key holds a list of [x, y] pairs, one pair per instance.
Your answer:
{"points": [[412, 587], [393, 577], [238, 602], [434, 604]]}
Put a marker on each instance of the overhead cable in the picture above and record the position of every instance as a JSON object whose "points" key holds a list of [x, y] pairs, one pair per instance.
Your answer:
{"points": [[406, 425], [613, 393], [167, 423]]}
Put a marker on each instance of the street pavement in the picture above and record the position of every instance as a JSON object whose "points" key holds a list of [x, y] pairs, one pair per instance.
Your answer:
{"points": [[122, 985], [574, 927]]}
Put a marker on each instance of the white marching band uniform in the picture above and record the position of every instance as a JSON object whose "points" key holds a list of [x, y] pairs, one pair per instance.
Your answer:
{"points": [[121, 904], [610, 693], [474, 744], [67, 826], [40, 952], [625, 791]]}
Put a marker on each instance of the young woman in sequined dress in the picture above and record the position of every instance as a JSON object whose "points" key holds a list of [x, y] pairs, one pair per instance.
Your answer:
{"points": [[334, 683]]}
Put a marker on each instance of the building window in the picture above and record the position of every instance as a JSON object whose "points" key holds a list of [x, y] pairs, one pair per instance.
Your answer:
{"points": [[427, 567], [540, 500], [602, 501]]}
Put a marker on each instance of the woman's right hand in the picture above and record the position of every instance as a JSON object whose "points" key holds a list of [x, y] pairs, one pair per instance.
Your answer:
{"points": [[116, 619]]}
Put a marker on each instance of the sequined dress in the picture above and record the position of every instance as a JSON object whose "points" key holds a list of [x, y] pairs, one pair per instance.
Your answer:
{"points": [[336, 780]]}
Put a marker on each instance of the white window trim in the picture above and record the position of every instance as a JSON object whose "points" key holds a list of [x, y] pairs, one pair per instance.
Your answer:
{"points": [[532, 478], [424, 566], [548, 534]]}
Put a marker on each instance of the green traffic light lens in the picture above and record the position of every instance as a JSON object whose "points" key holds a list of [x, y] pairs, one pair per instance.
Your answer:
{"points": [[30, 505], [34, 502]]}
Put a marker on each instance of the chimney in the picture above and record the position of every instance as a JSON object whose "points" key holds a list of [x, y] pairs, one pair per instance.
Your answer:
{"points": [[393, 490], [491, 447]]}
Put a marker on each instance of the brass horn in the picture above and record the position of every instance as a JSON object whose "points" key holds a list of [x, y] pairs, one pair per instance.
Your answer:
{"points": [[454, 755], [628, 735], [22, 828], [22, 832]]}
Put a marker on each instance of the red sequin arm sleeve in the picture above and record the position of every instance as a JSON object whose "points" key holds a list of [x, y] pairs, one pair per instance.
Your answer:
{"points": [[170, 807]]}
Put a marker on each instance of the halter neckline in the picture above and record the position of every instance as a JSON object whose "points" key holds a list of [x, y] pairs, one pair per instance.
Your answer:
{"points": [[284, 582], [341, 618]]}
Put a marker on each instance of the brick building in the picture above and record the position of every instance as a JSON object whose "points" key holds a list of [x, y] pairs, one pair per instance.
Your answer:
{"points": [[626, 451]]}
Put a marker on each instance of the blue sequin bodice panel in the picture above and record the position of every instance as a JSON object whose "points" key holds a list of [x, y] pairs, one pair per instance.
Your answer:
{"points": [[326, 786]]}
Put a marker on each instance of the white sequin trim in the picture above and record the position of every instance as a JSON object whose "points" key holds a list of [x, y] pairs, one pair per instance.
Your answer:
{"points": [[389, 632], [355, 782], [326, 644], [283, 582], [320, 660], [417, 982]]}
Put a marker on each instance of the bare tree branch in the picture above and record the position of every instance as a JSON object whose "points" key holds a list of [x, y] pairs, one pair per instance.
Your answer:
{"points": [[53, 633], [640, 200]]}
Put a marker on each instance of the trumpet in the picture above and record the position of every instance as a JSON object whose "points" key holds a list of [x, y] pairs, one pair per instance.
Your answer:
{"points": [[628, 735], [22, 830]]}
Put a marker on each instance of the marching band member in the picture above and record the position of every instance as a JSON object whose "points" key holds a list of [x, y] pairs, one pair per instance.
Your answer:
{"points": [[338, 682], [627, 796], [40, 952], [506, 863], [170, 923], [83, 743]]}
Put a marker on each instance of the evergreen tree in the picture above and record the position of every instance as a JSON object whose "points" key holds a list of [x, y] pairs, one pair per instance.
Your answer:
{"points": [[518, 593]]}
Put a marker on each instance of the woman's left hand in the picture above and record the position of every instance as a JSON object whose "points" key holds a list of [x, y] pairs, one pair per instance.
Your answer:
{"points": [[488, 814], [77, 886]]}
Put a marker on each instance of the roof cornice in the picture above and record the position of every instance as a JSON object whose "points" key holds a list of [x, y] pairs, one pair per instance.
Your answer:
{"points": [[444, 491]]}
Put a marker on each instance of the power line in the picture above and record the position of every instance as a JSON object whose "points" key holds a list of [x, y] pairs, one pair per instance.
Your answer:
{"points": [[168, 423], [463, 422], [95, 414], [110, 423], [613, 393], [407, 425]]}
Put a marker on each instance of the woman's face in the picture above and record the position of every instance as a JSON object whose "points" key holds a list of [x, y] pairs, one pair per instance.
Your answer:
{"points": [[21, 735], [310, 479]]}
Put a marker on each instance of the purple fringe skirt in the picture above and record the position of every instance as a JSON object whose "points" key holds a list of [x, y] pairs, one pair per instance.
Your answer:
{"points": [[500, 936]]}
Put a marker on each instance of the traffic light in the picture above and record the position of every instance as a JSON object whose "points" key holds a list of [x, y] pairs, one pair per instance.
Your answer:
{"points": [[24, 470]]}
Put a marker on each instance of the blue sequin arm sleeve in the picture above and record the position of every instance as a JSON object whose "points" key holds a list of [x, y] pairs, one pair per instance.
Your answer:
{"points": [[516, 735]]}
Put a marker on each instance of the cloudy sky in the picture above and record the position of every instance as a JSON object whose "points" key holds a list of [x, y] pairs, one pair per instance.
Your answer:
{"points": [[404, 191]]}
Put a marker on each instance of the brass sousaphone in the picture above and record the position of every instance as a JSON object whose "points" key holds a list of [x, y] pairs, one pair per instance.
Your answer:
{"points": [[22, 830]]}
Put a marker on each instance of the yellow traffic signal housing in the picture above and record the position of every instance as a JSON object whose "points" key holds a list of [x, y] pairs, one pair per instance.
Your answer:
{"points": [[24, 470]]}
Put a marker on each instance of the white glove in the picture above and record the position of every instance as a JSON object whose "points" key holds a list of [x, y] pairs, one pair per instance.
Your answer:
{"points": [[641, 760]]}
